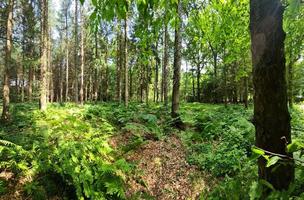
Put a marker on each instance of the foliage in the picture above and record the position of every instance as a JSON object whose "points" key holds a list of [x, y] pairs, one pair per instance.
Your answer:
{"points": [[223, 142]]}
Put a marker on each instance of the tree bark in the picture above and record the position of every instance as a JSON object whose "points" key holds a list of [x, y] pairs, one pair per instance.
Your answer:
{"points": [[290, 85], [82, 60], [271, 116], [67, 56], [245, 97], [177, 64], [118, 63], [8, 51], [126, 71], [198, 77], [165, 66], [76, 96], [44, 61]]}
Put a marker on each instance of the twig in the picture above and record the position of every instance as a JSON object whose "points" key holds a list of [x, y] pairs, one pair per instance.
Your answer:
{"points": [[281, 155]]}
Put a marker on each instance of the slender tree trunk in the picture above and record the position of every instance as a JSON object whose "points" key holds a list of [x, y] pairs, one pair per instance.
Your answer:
{"points": [[106, 89], [30, 83], [76, 96], [271, 116], [126, 62], [193, 85], [118, 64], [44, 62], [186, 82], [177, 64], [67, 56], [165, 65], [82, 60], [22, 80], [8, 51], [245, 97], [290, 85], [198, 83]]}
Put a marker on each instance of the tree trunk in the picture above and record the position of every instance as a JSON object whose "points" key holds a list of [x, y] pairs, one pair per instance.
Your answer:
{"points": [[177, 64], [67, 56], [82, 60], [165, 66], [44, 61], [271, 116], [245, 97], [198, 83], [126, 62], [118, 64], [290, 85], [8, 51], [76, 54], [106, 88]]}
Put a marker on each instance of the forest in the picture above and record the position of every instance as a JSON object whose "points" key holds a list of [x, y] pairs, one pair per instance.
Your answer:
{"points": [[152, 99]]}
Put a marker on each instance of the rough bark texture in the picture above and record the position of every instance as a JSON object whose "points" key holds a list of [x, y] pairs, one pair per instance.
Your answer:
{"points": [[177, 64], [44, 61], [271, 116], [8, 50]]}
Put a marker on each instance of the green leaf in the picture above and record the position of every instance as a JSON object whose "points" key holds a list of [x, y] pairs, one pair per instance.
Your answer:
{"points": [[257, 151], [272, 161]]}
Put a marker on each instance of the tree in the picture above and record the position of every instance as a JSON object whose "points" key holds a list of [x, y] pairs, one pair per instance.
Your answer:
{"points": [[82, 59], [271, 116], [76, 96], [8, 51], [126, 71], [177, 64], [44, 55]]}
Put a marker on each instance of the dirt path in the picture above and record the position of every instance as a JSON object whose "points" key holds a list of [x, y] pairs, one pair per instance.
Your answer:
{"points": [[163, 172]]}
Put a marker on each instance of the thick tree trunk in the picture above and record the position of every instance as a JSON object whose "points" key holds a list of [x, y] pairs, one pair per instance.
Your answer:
{"points": [[8, 51], [44, 61], [177, 65], [271, 116]]}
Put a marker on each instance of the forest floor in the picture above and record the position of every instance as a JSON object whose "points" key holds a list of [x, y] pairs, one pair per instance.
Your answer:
{"points": [[106, 151], [162, 170]]}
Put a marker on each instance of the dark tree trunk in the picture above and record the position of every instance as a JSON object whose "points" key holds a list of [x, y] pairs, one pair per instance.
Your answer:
{"points": [[8, 51], [271, 116]]}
